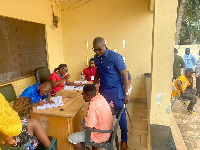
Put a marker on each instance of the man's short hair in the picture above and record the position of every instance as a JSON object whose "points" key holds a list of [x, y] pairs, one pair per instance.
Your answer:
{"points": [[48, 84], [98, 40], [189, 70], [187, 49], [89, 88], [91, 59]]}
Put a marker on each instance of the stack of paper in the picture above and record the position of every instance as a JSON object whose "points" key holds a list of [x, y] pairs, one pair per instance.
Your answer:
{"points": [[58, 102]]}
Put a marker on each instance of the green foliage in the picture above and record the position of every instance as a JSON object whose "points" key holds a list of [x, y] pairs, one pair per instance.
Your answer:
{"points": [[190, 30]]}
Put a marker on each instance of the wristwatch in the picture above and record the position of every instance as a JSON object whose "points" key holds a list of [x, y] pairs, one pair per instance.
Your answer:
{"points": [[127, 93]]}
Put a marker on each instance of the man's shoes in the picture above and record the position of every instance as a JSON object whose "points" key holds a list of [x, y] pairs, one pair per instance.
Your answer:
{"points": [[193, 112], [124, 145]]}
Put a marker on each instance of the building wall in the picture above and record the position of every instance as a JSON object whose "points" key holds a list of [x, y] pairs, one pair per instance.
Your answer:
{"points": [[162, 61], [40, 12], [114, 20], [194, 49]]}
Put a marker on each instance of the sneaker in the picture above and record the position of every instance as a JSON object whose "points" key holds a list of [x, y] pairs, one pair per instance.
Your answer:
{"points": [[192, 112]]}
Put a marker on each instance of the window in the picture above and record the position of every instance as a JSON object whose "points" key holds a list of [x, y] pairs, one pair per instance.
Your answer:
{"points": [[22, 50]]}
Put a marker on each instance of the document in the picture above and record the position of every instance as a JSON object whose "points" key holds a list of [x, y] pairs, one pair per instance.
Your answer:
{"points": [[68, 88], [58, 102], [83, 82]]}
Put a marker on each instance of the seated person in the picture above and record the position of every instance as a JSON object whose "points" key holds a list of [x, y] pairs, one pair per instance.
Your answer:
{"points": [[99, 116], [184, 85], [32, 131], [59, 78], [89, 72], [10, 124], [37, 92]]}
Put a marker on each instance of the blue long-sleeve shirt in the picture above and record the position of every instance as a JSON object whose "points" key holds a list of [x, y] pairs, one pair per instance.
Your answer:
{"points": [[190, 61]]}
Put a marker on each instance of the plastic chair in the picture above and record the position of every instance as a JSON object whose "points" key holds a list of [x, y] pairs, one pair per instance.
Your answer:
{"points": [[8, 92], [53, 146], [42, 74], [178, 97], [107, 145]]}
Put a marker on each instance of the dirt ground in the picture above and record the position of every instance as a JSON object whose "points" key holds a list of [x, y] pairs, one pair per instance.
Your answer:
{"points": [[189, 125]]}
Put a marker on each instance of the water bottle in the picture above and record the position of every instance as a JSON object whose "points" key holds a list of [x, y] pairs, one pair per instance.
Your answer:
{"points": [[82, 77]]}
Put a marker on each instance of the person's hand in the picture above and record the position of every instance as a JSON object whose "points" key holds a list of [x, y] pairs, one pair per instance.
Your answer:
{"points": [[79, 84], [50, 101], [7, 140], [67, 77], [40, 103], [126, 99]]}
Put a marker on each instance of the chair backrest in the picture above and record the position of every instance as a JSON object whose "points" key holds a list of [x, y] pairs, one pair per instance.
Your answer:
{"points": [[42, 74], [53, 145], [114, 129], [8, 92]]}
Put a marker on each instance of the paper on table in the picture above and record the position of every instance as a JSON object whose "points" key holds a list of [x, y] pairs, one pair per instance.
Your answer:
{"points": [[68, 88], [58, 102], [83, 82], [79, 88]]}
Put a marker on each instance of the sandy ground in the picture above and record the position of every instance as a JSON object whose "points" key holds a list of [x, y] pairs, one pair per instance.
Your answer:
{"points": [[189, 125]]}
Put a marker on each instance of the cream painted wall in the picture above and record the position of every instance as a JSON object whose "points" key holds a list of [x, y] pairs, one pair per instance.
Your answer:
{"points": [[114, 20], [194, 49], [162, 60], [38, 11]]}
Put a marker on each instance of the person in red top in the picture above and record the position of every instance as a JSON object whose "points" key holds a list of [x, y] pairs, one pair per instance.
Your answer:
{"points": [[90, 71], [59, 78], [99, 116]]}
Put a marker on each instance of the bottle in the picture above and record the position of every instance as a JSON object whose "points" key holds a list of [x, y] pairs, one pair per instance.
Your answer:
{"points": [[82, 77]]}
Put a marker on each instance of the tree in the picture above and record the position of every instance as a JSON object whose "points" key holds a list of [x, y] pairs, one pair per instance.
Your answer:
{"points": [[179, 19], [188, 25]]}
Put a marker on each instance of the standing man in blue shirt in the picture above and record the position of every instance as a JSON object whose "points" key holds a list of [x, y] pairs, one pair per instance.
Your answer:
{"points": [[190, 60], [37, 92], [111, 70]]}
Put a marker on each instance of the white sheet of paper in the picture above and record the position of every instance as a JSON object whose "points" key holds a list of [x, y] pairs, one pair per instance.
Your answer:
{"points": [[79, 88], [58, 102], [83, 82], [68, 88]]}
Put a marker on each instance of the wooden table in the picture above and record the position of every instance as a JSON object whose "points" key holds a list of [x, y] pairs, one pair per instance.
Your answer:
{"points": [[59, 124]]}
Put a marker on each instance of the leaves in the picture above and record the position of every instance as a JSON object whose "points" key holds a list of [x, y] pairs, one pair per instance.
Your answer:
{"points": [[190, 30]]}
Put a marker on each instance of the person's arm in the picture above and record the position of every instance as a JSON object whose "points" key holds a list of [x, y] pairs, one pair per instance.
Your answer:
{"points": [[125, 83], [84, 74], [96, 77], [182, 63], [40, 103], [194, 60], [49, 99], [179, 86], [56, 83], [72, 84], [36, 128], [191, 82]]}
